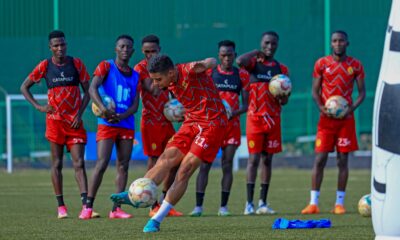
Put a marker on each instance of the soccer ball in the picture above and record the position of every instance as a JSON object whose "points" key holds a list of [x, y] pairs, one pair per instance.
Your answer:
{"points": [[280, 84], [364, 206], [174, 110], [143, 193], [336, 106], [108, 103], [228, 108]]}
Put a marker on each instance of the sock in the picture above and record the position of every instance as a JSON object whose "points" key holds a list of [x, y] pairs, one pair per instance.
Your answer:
{"points": [[89, 202], [340, 197], [250, 192], [154, 205], [199, 199], [162, 212], [164, 193], [314, 197], [60, 200], [115, 206], [264, 192], [224, 198], [84, 198]]}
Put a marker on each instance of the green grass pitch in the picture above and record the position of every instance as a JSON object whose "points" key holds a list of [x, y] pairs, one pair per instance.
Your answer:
{"points": [[28, 209]]}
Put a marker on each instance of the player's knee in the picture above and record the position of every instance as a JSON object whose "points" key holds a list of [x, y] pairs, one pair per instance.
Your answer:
{"points": [[57, 165], [123, 168], [78, 165], [342, 165]]}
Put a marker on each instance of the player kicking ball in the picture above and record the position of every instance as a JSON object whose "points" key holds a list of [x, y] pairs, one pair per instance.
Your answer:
{"points": [[200, 136]]}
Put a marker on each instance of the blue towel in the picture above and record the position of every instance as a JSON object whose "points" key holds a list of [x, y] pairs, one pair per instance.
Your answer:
{"points": [[283, 223]]}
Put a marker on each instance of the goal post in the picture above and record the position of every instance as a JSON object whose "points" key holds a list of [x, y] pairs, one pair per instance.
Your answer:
{"points": [[9, 126]]}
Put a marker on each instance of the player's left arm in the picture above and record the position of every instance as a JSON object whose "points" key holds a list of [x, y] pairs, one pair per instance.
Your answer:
{"points": [[245, 82], [84, 82], [361, 91], [245, 104], [204, 65]]}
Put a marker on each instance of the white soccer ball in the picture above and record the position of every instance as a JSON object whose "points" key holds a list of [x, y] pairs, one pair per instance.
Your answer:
{"points": [[336, 106], [143, 193], [174, 110], [228, 108], [279, 85], [364, 206]]}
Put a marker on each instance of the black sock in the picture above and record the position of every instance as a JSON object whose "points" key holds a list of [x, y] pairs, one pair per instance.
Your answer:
{"points": [[89, 202], [154, 205], [250, 192], [115, 206], [199, 199], [264, 192], [84, 198], [60, 200], [224, 198], [162, 197]]}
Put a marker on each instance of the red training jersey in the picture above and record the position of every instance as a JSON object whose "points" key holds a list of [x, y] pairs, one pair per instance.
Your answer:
{"points": [[232, 98], [199, 96], [261, 101], [66, 100], [153, 106], [338, 77]]}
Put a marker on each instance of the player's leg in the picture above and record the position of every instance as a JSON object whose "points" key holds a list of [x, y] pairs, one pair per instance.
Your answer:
{"points": [[201, 185], [57, 153], [324, 143], [316, 181], [343, 175], [252, 167], [266, 173], [227, 177], [186, 169], [346, 142], [170, 159], [151, 161], [104, 149], [124, 151], [77, 154]]}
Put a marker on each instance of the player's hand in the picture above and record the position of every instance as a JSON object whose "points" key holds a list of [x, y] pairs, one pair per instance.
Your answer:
{"points": [[283, 99], [324, 111], [77, 122], [260, 57], [110, 116], [348, 112], [46, 108]]}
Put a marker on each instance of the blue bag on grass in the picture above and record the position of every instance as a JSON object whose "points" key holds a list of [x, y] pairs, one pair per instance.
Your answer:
{"points": [[283, 223]]}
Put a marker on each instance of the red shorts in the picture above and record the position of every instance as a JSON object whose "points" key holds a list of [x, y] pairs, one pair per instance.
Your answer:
{"points": [[232, 134], [60, 132], [202, 141], [155, 138], [339, 133], [263, 134], [114, 133]]}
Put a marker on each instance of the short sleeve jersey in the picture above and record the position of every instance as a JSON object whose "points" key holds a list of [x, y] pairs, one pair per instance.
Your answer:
{"points": [[153, 106], [65, 98], [230, 84], [261, 101], [338, 77], [199, 96]]}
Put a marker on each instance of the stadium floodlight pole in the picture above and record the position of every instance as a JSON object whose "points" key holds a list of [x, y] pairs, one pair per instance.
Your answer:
{"points": [[55, 14], [327, 28]]}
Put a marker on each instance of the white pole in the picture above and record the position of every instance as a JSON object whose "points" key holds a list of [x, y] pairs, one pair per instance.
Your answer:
{"points": [[9, 131]]}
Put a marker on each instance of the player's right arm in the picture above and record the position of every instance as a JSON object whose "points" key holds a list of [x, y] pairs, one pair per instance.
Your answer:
{"points": [[245, 60], [38, 73], [316, 88], [99, 75], [204, 65]]}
